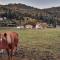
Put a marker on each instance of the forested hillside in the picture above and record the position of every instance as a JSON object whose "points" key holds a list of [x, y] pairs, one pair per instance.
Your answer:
{"points": [[19, 12]]}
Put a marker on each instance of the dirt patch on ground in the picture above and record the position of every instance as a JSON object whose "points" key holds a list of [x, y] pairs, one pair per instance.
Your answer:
{"points": [[29, 54]]}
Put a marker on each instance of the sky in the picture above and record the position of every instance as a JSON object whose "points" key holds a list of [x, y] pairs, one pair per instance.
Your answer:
{"points": [[34, 3]]}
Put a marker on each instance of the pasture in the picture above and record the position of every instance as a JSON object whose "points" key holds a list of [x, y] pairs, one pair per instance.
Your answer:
{"points": [[47, 40]]}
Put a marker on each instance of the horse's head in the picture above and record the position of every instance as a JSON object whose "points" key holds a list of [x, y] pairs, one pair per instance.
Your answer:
{"points": [[3, 36]]}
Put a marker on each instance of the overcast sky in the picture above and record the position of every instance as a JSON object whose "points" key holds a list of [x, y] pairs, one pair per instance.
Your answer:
{"points": [[35, 3]]}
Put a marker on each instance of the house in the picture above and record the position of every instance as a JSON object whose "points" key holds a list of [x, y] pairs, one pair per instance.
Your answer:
{"points": [[38, 26], [44, 25], [41, 25], [4, 18], [1, 18], [20, 27], [28, 26]]}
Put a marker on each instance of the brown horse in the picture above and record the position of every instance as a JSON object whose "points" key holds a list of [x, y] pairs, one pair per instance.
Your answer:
{"points": [[9, 42]]}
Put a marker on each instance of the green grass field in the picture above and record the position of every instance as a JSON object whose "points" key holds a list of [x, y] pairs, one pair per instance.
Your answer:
{"points": [[48, 39]]}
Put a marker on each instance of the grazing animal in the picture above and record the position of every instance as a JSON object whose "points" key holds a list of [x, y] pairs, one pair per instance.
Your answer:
{"points": [[9, 42]]}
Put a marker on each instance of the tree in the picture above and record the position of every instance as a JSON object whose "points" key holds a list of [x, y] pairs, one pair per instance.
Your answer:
{"points": [[9, 14]]}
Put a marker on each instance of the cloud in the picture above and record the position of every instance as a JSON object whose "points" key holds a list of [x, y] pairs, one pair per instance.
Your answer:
{"points": [[2, 2], [9, 1], [34, 3]]}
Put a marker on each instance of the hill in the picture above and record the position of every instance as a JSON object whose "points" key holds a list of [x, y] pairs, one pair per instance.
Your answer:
{"points": [[19, 11], [54, 10], [22, 8]]}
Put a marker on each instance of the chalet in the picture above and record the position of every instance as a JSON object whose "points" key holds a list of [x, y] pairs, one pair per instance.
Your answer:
{"points": [[1, 18], [4, 18], [20, 27], [28, 26], [41, 25]]}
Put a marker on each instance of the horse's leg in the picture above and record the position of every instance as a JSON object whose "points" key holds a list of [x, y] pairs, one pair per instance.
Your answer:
{"points": [[1, 52], [8, 52], [11, 53], [14, 50]]}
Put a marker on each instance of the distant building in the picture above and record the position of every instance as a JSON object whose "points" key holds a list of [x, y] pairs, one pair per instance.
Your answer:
{"points": [[28, 26], [4, 18], [1, 18], [20, 27], [41, 25], [57, 26]]}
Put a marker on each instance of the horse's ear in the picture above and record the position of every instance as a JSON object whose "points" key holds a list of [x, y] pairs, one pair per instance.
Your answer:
{"points": [[5, 34]]}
